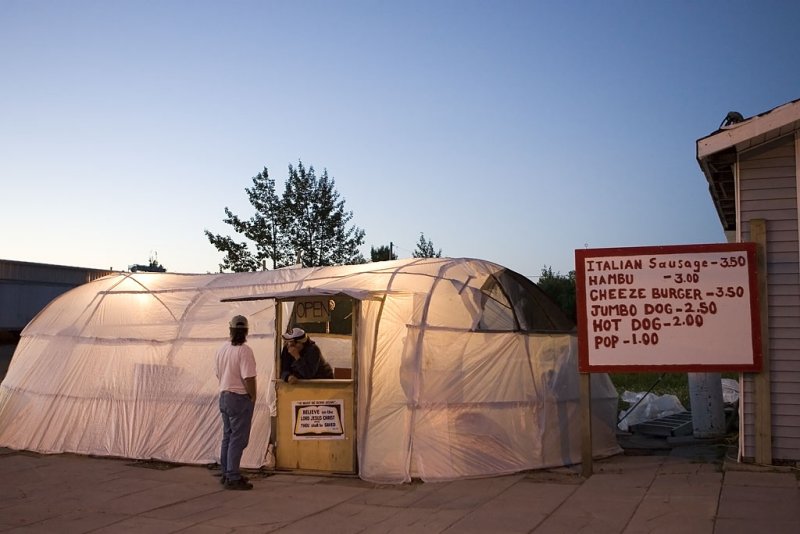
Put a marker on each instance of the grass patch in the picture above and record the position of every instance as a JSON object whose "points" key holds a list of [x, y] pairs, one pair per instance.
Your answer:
{"points": [[671, 383]]}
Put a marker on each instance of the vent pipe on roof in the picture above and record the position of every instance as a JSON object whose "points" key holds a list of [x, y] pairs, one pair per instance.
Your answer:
{"points": [[732, 117]]}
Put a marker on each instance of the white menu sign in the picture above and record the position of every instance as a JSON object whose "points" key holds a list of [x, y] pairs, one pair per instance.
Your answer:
{"points": [[689, 308]]}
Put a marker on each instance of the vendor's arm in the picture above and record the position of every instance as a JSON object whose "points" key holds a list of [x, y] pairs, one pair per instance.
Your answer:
{"points": [[306, 366], [286, 364]]}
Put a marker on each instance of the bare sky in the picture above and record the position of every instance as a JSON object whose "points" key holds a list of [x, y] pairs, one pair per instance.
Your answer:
{"points": [[512, 131]]}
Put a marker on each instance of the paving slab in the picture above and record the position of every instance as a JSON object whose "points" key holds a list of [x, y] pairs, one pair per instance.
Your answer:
{"points": [[466, 494], [77, 522], [754, 525], [625, 495], [772, 503], [683, 497], [763, 479], [521, 508]]}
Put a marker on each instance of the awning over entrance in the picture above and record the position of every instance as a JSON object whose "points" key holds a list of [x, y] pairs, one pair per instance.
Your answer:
{"points": [[358, 294]]}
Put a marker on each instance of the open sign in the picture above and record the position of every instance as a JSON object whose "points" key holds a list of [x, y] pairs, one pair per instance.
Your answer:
{"points": [[312, 310]]}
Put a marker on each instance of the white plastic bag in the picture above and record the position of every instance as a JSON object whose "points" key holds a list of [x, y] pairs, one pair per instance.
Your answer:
{"points": [[730, 390], [651, 407]]}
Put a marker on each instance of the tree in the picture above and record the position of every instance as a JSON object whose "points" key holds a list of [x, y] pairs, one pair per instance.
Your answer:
{"points": [[425, 249], [560, 288], [237, 258], [309, 221], [316, 222], [382, 253], [263, 228]]}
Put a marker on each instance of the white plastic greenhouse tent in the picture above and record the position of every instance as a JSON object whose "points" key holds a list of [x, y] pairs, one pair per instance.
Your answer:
{"points": [[462, 368]]}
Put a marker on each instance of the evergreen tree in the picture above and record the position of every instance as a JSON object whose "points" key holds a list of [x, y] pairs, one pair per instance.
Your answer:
{"points": [[264, 229], [316, 221], [237, 258], [266, 226], [382, 253], [308, 220], [561, 289], [425, 248]]}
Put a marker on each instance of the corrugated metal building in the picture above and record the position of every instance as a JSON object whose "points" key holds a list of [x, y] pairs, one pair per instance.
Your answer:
{"points": [[26, 288], [753, 171]]}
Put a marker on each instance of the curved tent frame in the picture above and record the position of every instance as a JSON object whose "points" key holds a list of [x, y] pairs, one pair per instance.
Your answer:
{"points": [[465, 369]]}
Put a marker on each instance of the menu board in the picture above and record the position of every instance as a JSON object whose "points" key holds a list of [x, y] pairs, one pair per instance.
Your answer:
{"points": [[669, 308]]}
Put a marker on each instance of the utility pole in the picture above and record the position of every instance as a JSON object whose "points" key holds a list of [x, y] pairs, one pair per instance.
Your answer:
{"points": [[391, 257]]}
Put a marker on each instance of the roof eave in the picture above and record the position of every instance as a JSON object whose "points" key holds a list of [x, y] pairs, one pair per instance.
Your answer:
{"points": [[717, 152], [778, 118]]}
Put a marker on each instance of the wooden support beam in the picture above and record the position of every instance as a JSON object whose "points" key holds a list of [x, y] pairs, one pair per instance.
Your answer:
{"points": [[762, 380], [586, 424]]}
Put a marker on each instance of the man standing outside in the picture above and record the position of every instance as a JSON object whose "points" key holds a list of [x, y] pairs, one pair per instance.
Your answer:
{"points": [[236, 371]]}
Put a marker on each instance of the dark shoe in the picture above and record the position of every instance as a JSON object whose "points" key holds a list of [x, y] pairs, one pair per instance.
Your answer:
{"points": [[240, 484], [223, 480]]}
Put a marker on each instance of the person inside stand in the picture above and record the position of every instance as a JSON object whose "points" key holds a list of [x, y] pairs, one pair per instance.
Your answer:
{"points": [[235, 367], [301, 358]]}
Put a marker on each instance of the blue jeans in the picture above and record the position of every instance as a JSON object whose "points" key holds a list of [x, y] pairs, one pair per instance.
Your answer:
{"points": [[237, 416]]}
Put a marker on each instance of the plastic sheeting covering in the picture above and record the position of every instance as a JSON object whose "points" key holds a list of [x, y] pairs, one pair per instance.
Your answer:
{"points": [[472, 404], [123, 366], [453, 382]]}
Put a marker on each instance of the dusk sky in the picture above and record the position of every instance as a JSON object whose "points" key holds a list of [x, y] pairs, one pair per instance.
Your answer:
{"points": [[511, 131]]}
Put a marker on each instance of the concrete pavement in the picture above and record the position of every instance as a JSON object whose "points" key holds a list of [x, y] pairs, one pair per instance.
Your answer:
{"points": [[675, 491]]}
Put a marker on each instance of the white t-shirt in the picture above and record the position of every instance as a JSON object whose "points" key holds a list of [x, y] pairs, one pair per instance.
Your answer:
{"points": [[234, 363]]}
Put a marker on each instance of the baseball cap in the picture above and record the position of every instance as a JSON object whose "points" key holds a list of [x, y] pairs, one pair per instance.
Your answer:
{"points": [[296, 333], [239, 321]]}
